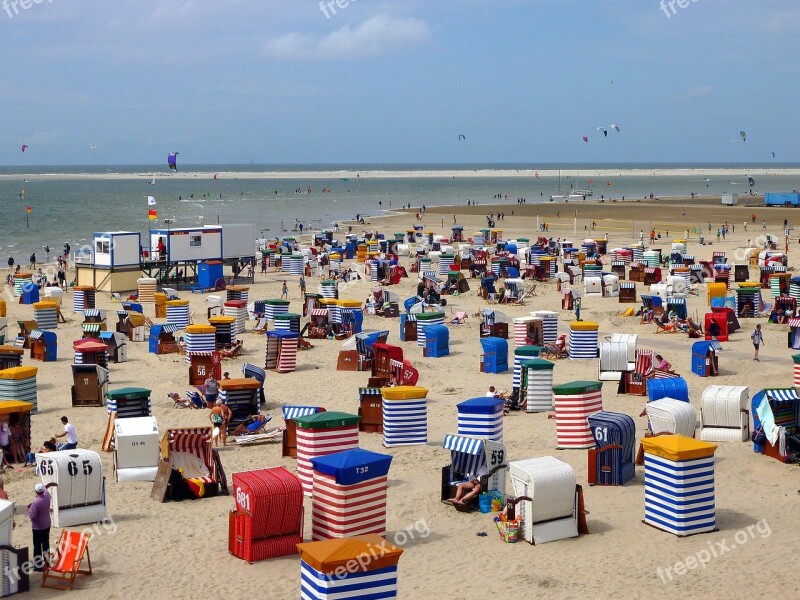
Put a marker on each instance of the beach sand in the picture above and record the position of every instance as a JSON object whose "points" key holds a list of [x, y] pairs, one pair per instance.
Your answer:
{"points": [[180, 549]]}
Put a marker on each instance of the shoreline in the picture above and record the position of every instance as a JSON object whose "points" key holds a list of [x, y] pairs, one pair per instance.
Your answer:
{"points": [[411, 174]]}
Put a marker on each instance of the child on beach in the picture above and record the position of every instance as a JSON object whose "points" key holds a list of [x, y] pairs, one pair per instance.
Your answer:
{"points": [[284, 291]]}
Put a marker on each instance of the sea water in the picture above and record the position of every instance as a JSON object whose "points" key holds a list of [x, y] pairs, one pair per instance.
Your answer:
{"points": [[70, 210]]}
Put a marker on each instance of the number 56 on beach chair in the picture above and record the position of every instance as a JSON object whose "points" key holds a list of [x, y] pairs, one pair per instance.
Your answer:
{"points": [[71, 549]]}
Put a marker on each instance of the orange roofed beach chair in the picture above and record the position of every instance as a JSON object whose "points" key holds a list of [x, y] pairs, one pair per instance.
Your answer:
{"points": [[70, 551]]}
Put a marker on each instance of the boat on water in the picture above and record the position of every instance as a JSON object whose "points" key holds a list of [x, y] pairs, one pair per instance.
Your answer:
{"points": [[587, 193], [153, 181]]}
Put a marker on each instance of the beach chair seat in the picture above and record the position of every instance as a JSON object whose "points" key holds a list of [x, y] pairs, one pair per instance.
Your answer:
{"points": [[70, 552], [460, 318], [263, 435], [233, 351], [261, 325], [198, 400], [666, 328]]}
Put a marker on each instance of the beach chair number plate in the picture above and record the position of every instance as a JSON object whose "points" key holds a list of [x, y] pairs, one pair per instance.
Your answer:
{"points": [[243, 499], [497, 457]]}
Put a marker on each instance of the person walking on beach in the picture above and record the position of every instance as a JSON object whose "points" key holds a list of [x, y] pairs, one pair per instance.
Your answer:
{"points": [[33, 260], [10, 263], [302, 286], [46, 254], [758, 339], [70, 433], [284, 291], [39, 514]]}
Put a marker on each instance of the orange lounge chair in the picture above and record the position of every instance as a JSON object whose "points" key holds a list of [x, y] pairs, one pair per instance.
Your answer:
{"points": [[70, 551]]}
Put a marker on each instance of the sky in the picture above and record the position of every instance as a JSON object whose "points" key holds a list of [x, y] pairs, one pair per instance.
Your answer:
{"points": [[398, 81]]}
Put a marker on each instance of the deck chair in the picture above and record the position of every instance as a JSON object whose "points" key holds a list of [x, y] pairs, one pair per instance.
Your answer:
{"points": [[276, 433], [531, 291], [198, 399], [232, 352], [192, 400], [70, 552], [668, 328], [257, 430], [116, 298], [460, 318], [557, 349], [172, 293], [766, 310], [261, 325]]}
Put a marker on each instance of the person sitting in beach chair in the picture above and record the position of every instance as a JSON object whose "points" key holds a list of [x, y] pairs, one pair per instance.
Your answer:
{"points": [[192, 400], [232, 350], [261, 325], [256, 426], [469, 489], [557, 349], [459, 319]]}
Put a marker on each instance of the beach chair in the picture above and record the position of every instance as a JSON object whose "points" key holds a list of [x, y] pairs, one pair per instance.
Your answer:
{"points": [[261, 325], [172, 293], [70, 551], [263, 435], [233, 351], [460, 318], [557, 349], [666, 328]]}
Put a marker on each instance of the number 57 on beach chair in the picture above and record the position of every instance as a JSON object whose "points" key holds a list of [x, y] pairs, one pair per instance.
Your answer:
{"points": [[71, 549]]}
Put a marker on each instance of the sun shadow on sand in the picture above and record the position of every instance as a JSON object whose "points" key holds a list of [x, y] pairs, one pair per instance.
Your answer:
{"points": [[596, 526], [732, 520], [409, 538]]}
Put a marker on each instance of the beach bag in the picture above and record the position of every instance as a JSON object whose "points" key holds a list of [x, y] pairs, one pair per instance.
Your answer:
{"points": [[491, 501], [508, 530]]}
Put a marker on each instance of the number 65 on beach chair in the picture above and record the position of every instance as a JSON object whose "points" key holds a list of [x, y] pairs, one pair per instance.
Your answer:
{"points": [[70, 551]]}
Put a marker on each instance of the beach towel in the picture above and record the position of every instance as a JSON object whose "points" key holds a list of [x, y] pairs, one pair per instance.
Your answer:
{"points": [[764, 412]]}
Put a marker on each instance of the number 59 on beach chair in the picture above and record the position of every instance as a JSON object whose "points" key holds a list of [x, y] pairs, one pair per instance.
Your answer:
{"points": [[70, 552]]}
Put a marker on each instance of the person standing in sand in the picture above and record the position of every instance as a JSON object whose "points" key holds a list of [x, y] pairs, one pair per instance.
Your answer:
{"points": [[220, 417], [758, 339], [39, 514], [284, 291]]}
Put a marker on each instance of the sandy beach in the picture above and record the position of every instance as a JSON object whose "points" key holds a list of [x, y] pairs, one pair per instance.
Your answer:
{"points": [[180, 549]]}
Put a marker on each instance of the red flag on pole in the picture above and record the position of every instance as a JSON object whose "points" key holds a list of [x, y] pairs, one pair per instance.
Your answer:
{"points": [[152, 214]]}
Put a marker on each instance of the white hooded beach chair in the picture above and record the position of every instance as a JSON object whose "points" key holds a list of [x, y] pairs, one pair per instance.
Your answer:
{"points": [[724, 416], [552, 512], [671, 416], [80, 496]]}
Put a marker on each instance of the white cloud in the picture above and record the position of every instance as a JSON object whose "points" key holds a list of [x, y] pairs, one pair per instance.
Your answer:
{"points": [[371, 38]]}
